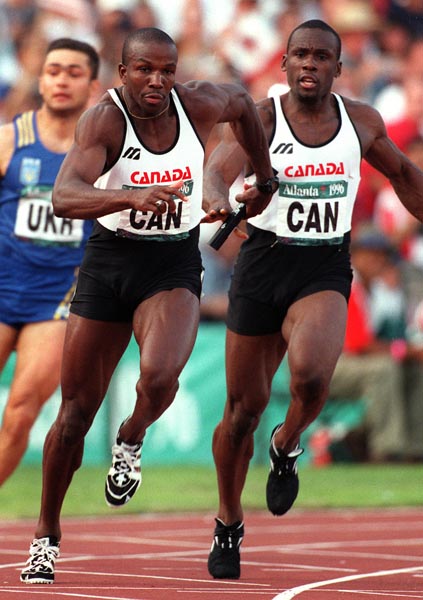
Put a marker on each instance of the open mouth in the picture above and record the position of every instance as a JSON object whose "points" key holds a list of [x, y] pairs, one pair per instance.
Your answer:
{"points": [[308, 82]]}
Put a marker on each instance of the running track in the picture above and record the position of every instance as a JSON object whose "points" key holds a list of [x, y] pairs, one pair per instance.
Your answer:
{"points": [[310, 555]]}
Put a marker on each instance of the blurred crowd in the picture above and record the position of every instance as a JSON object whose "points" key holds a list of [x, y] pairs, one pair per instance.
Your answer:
{"points": [[243, 40]]}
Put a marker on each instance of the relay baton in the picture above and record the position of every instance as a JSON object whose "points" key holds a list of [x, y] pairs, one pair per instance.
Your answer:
{"points": [[228, 226]]}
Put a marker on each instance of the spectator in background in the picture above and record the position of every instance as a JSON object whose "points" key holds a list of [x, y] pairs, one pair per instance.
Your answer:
{"points": [[408, 13], [357, 24], [115, 19], [402, 229], [196, 51], [382, 361], [37, 26], [248, 43], [404, 122], [269, 75]]}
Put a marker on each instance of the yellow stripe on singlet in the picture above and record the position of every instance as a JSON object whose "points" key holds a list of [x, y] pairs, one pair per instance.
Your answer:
{"points": [[26, 133]]}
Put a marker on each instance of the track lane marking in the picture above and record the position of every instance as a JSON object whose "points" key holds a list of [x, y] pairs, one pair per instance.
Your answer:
{"points": [[288, 594]]}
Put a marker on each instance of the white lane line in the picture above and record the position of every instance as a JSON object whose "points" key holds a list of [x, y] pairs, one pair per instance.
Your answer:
{"points": [[288, 594]]}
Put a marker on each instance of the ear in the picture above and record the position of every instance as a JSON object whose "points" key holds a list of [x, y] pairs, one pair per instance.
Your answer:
{"points": [[338, 69], [283, 62], [122, 72]]}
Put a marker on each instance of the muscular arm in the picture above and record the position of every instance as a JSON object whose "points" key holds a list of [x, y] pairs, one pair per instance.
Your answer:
{"points": [[98, 139], [209, 104], [227, 161], [223, 167], [380, 151]]}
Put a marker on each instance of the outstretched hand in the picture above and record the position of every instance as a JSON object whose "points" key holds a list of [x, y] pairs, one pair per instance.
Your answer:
{"points": [[254, 200], [221, 214]]}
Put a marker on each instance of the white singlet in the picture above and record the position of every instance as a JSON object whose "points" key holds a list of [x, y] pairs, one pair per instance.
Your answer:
{"points": [[138, 166], [318, 184]]}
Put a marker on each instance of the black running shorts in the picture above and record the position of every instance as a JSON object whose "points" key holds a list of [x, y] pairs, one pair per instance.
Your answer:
{"points": [[270, 276], [117, 273]]}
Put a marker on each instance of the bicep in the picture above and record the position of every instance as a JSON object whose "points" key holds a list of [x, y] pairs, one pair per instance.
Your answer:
{"points": [[83, 164], [86, 158]]}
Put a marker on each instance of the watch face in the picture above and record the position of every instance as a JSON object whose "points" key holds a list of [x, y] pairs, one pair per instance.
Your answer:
{"points": [[268, 187]]}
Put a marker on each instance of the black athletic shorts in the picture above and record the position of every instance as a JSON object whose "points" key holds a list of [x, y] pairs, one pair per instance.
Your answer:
{"points": [[270, 276], [117, 273]]}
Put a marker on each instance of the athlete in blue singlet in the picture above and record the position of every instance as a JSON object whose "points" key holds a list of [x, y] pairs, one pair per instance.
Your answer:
{"points": [[39, 252]]}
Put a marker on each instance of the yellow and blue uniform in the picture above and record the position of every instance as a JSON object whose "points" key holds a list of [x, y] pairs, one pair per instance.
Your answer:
{"points": [[39, 252]]}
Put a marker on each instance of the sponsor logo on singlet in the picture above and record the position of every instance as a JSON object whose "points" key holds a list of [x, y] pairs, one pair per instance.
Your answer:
{"points": [[284, 148], [132, 153]]}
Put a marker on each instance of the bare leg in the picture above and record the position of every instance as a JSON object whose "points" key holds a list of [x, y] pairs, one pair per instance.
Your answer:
{"points": [[89, 361], [314, 329], [165, 327], [248, 395], [39, 349]]}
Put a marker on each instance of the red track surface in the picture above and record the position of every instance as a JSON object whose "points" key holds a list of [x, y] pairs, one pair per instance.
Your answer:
{"points": [[322, 555]]}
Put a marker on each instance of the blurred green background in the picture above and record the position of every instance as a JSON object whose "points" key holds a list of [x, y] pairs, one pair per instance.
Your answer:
{"points": [[193, 488], [178, 471]]}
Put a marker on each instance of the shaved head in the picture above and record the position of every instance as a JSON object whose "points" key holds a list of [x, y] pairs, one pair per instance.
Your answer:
{"points": [[145, 35]]}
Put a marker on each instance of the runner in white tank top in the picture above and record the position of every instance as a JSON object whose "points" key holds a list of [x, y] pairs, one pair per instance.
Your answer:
{"points": [[291, 282], [137, 170]]}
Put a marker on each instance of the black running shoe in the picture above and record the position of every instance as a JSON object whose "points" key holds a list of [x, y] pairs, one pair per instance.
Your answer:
{"points": [[224, 558], [282, 483], [124, 476], [39, 567]]}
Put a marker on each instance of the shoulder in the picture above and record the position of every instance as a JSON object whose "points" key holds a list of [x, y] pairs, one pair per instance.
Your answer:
{"points": [[200, 96], [103, 109], [103, 121], [362, 113], [367, 121], [7, 144]]}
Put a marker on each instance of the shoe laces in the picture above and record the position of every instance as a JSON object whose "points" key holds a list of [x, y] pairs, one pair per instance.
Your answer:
{"points": [[126, 458], [42, 554]]}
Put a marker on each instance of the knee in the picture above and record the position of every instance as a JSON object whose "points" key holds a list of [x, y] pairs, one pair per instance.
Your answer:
{"points": [[309, 388], [158, 384], [243, 422], [71, 425], [18, 421]]}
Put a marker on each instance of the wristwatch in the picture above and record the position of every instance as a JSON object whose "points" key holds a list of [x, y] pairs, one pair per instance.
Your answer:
{"points": [[268, 187]]}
